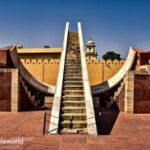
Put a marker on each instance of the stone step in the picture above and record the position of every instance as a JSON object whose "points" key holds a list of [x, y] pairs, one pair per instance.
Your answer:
{"points": [[73, 71], [76, 62], [73, 57], [73, 67], [72, 78], [73, 61], [73, 51], [73, 36], [72, 109], [73, 92], [73, 98], [75, 124], [73, 75], [74, 131], [73, 103], [73, 116], [73, 39], [73, 47], [72, 44], [73, 82], [73, 87]]}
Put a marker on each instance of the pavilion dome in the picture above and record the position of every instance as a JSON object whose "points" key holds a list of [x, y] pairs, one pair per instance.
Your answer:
{"points": [[90, 43]]}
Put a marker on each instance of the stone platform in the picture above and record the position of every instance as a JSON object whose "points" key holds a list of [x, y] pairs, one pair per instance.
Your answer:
{"points": [[130, 132]]}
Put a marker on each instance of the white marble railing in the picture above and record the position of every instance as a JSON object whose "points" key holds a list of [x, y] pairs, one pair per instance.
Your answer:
{"points": [[55, 115], [91, 122]]}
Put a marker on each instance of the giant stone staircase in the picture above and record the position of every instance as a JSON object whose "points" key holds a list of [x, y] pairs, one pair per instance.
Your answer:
{"points": [[73, 110]]}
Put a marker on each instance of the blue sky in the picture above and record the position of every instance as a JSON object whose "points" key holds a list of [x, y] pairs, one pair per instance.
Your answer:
{"points": [[112, 24]]}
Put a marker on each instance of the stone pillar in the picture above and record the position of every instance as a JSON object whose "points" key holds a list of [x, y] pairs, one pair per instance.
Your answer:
{"points": [[129, 93], [14, 90], [148, 68]]}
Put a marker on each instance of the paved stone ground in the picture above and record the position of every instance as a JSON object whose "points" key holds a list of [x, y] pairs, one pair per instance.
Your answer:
{"points": [[130, 132]]}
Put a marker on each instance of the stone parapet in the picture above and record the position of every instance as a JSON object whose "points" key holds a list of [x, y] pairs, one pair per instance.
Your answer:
{"points": [[9, 94], [129, 93], [14, 90]]}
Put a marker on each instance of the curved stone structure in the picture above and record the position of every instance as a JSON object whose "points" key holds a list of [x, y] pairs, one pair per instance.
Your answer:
{"points": [[50, 89], [115, 80], [43, 87]]}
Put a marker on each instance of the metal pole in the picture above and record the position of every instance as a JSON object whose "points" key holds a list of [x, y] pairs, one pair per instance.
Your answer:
{"points": [[44, 123]]}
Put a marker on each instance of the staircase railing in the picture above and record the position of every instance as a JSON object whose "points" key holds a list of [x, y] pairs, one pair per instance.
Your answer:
{"points": [[55, 115], [91, 122], [45, 121]]}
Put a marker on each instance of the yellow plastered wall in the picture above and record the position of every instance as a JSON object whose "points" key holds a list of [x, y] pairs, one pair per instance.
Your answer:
{"points": [[95, 71], [101, 70], [111, 68], [46, 70], [51, 71]]}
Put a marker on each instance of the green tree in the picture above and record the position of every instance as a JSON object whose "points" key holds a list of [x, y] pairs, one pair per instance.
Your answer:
{"points": [[111, 55]]}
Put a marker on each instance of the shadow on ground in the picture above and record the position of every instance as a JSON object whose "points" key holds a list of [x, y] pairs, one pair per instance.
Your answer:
{"points": [[106, 120]]}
